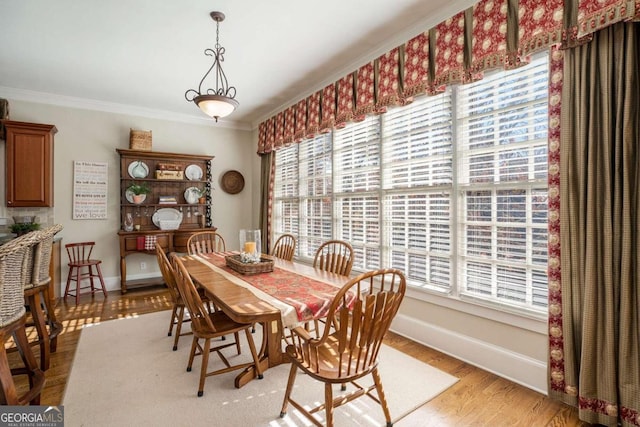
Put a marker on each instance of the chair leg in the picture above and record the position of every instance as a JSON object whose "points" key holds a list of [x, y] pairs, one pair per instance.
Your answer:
{"points": [[66, 289], [205, 363], [287, 393], [55, 327], [36, 376], [180, 318], [9, 393], [381, 396], [173, 320], [192, 355], [78, 278], [328, 401], [104, 289], [34, 302]]}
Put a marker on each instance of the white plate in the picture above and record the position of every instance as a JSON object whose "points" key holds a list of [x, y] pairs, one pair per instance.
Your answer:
{"points": [[166, 213], [129, 195], [134, 165], [192, 193], [193, 172]]}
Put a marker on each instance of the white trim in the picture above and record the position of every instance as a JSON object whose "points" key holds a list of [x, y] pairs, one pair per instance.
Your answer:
{"points": [[112, 107], [516, 367]]}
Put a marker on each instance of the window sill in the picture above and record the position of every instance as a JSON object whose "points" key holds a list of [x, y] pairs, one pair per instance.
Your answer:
{"points": [[527, 321]]}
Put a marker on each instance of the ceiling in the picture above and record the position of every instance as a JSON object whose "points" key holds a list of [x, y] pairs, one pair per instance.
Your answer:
{"points": [[140, 56]]}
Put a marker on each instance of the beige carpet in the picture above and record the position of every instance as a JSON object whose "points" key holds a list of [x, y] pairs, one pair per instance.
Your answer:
{"points": [[126, 374]]}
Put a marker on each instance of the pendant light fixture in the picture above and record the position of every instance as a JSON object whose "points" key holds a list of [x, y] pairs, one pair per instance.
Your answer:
{"points": [[219, 101]]}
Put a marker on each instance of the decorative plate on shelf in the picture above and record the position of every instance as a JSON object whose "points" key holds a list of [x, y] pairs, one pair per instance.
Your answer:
{"points": [[138, 169], [191, 195], [193, 173], [232, 182], [166, 214]]}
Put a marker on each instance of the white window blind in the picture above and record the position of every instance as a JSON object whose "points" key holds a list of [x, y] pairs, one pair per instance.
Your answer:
{"points": [[502, 132], [315, 181], [417, 158], [286, 211], [356, 154]]}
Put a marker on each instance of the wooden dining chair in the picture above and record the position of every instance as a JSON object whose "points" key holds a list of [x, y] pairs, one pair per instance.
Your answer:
{"points": [[179, 313], [335, 256], [15, 271], [81, 267], [285, 247], [37, 296], [360, 316], [205, 242], [207, 326]]}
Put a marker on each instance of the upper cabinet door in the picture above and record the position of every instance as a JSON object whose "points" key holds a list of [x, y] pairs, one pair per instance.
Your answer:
{"points": [[29, 168]]}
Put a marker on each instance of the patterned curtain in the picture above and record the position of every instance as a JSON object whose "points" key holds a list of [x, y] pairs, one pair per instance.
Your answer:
{"points": [[540, 24], [417, 76], [594, 305], [289, 124], [300, 131], [449, 56], [594, 15], [314, 103], [328, 110], [262, 138], [279, 130], [345, 101], [267, 178], [365, 91], [489, 35], [389, 86]]}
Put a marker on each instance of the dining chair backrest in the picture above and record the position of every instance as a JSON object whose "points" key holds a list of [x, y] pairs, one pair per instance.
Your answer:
{"points": [[360, 316], [168, 275], [14, 270], [200, 319], [285, 247], [335, 256], [42, 255], [205, 242], [79, 252]]}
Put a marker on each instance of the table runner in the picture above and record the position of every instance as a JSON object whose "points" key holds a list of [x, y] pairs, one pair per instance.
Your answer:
{"points": [[309, 297]]}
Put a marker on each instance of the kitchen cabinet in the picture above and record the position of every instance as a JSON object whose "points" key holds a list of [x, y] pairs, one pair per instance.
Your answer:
{"points": [[29, 164]]}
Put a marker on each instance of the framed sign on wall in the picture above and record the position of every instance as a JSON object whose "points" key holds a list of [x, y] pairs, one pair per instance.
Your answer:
{"points": [[90, 181]]}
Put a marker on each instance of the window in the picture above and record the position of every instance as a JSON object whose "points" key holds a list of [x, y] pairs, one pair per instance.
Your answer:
{"points": [[451, 189]]}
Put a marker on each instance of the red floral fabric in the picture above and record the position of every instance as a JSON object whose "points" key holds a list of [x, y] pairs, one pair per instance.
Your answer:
{"points": [[365, 91], [388, 88], [416, 67], [489, 35], [279, 130], [289, 124], [344, 112], [556, 349], [300, 130], [449, 51], [262, 138], [310, 298], [328, 111], [540, 24], [593, 15], [313, 114], [271, 135]]}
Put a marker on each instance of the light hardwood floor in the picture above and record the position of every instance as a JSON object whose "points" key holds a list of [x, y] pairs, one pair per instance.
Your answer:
{"points": [[479, 398]]}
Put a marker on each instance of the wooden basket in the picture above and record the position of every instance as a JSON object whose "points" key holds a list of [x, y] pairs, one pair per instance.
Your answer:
{"points": [[140, 140], [264, 266]]}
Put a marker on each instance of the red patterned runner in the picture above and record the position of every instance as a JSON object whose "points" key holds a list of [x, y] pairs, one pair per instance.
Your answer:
{"points": [[310, 298]]}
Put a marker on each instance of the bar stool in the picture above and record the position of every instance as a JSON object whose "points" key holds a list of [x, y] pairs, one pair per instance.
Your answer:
{"points": [[36, 293], [14, 272], [79, 260]]}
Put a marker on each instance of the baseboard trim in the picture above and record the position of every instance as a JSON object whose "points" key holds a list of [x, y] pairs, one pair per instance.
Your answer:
{"points": [[516, 367]]}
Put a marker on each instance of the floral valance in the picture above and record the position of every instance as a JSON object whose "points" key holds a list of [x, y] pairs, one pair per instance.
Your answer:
{"points": [[491, 34]]}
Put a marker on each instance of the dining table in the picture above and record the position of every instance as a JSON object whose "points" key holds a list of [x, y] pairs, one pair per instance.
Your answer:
{"points": [[292, 294]]}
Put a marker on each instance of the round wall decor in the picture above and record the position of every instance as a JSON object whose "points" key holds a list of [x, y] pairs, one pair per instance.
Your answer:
{"points": [[232, 182]]}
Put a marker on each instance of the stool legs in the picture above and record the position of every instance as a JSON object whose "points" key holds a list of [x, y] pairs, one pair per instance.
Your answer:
{"points": [[32, 297], [76, 274], [36, 376]]}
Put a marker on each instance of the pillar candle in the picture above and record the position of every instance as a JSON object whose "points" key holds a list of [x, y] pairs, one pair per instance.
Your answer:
{"points": [[250, 247]]}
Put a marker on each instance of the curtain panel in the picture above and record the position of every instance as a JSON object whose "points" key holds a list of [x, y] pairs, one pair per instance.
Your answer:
{"points": [[491, 34], [594, 308]]}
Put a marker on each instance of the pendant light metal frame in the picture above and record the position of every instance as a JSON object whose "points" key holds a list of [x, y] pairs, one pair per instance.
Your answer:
{"points": [[222, 92]]}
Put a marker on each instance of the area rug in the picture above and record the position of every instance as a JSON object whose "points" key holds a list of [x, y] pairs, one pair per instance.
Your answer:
{"points": [[126, 374]]}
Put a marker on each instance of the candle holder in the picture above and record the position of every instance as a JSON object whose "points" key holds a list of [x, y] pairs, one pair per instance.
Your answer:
{"points": [[250, 246]]}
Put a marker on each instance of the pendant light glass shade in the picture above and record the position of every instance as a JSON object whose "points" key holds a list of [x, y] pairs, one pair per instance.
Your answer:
{"points": [[219, 101]]}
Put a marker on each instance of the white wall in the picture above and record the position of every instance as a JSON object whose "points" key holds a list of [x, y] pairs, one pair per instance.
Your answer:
{"points": [[94, 136]]}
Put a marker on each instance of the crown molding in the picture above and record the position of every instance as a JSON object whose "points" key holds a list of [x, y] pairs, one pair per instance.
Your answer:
{"points": [[112, 107]]}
